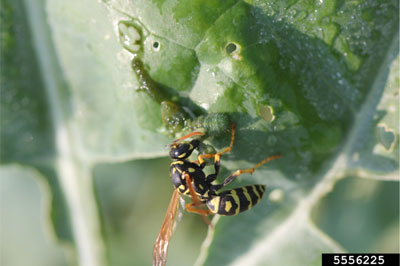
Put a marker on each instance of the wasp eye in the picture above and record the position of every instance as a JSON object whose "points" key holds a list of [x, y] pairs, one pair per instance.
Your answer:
{"points": [[174, 153]]}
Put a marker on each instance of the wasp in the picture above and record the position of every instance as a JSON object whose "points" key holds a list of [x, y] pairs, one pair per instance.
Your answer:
{"points": [[189, 179]]}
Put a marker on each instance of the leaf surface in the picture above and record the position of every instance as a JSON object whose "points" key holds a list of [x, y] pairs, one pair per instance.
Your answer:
{"points": [[314, 81]]}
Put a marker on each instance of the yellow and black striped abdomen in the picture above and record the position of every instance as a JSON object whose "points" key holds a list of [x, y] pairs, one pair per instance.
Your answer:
{"points": [[232, 202]]}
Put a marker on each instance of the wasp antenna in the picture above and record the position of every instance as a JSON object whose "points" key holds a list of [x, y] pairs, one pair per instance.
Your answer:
{"points": [[196, 133]]}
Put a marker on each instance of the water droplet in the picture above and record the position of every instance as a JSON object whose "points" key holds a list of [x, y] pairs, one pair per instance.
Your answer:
{"points": [[276, 195]]}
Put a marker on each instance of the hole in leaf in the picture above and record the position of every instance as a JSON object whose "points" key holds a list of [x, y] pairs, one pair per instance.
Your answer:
{"points": [[231, 48], [156, 46], [267, 113], [385, 136]]}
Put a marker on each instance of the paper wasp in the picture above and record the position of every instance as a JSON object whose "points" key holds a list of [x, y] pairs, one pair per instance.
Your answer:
{"points": [[189, 179]]}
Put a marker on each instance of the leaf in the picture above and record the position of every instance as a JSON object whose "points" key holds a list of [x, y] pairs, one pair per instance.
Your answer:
{"points": [[48, 116], [26, 126], [307, 79], [22, 201], [379, 155]]}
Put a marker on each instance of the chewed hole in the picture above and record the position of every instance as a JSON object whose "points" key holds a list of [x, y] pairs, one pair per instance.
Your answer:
{"points": [[385, 136], [231, 48], [156, 46], [267, 113]]}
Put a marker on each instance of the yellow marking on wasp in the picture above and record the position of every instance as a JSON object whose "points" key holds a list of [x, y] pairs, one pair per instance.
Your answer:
{"points": [[182, 155], [177, 162], [173, 170], [181, 187], [228, 206], [235, 197], [201, 186], [256, 192], [191, 170], [213, 204], [247, 195], [190, 147]]}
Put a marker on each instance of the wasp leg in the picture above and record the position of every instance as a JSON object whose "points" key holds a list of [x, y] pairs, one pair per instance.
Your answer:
{"points": [[191, 189], [232, 177], [217, 158], [196, 203], [191, 207]]}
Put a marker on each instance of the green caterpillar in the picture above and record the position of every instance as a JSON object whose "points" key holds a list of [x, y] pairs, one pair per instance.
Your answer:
{"points": [[177, 119]]}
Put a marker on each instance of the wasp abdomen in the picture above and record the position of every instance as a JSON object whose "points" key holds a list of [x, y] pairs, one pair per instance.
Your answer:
{"points": [[235, 201]]}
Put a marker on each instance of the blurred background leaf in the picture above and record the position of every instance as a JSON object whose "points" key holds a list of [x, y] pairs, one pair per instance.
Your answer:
{"points": [[314, 80]]}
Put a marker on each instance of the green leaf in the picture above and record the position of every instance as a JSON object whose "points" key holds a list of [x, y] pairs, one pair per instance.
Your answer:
{"points": [[22, 200], [313, 80], [49, 112], [26, 126], [378, 154]]}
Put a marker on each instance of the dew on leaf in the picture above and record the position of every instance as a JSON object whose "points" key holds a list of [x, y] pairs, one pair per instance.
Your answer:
{"points": [[276, 195], [301, 15]]}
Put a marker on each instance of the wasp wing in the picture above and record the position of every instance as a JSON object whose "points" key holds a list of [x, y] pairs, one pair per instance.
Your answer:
{"points": [[172, 216]]}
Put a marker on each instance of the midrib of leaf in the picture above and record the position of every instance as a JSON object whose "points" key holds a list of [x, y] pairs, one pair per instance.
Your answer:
{"points": [[331, 173], [366, 113], [72, 169]]}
